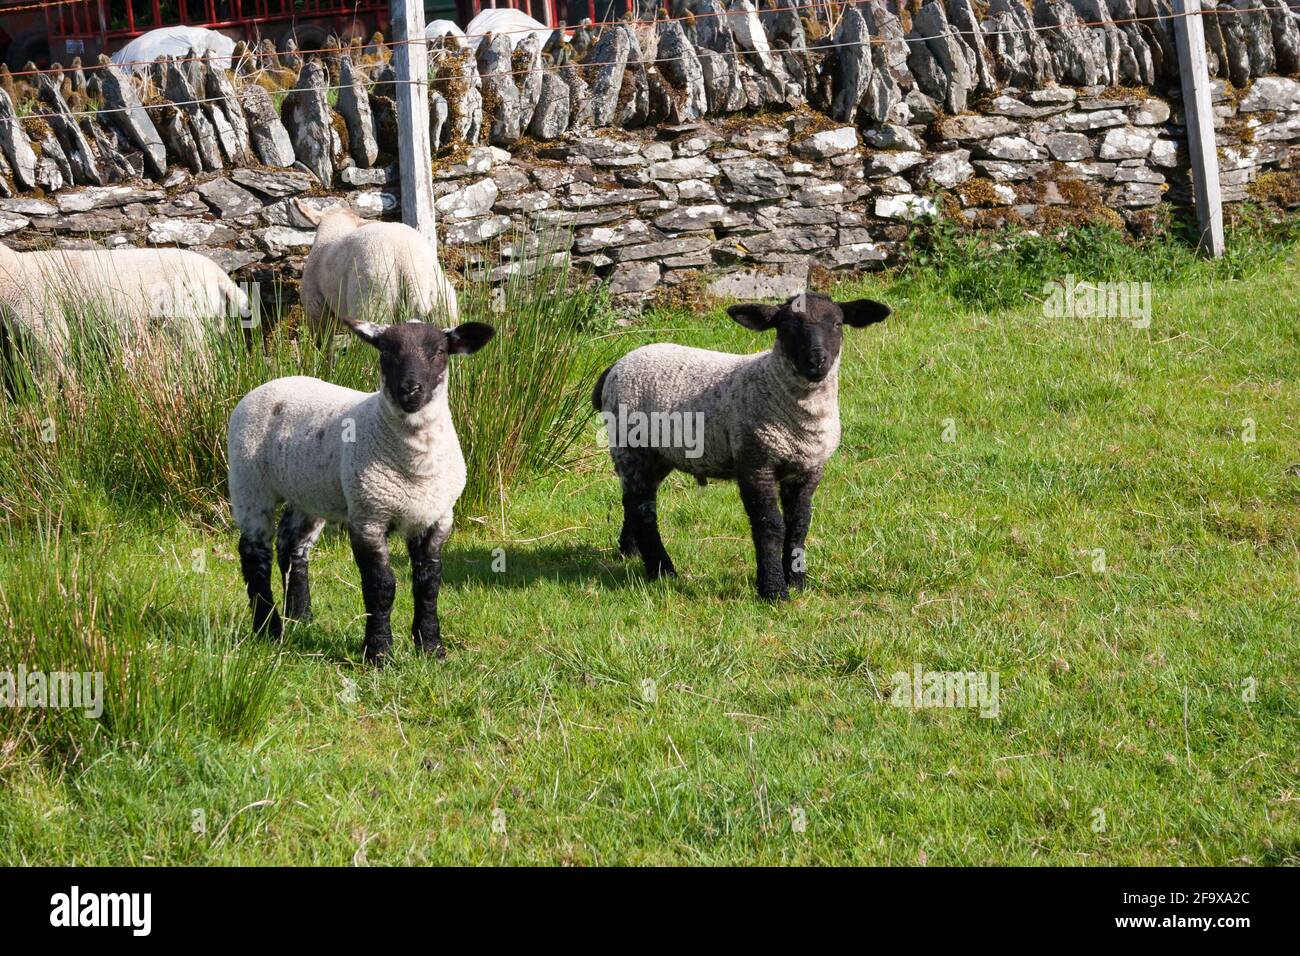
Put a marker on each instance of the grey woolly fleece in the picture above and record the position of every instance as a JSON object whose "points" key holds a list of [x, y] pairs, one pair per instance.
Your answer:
{"points": [[342, 455], [756, 402]]}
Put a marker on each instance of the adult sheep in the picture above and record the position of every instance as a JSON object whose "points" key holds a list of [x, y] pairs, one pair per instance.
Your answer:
{"points": [[367, 269], [769, 421], [383, 462], [135, 291]]}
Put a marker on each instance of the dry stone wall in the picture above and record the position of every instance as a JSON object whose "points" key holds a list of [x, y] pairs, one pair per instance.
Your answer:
{"points": [[736, 146]]}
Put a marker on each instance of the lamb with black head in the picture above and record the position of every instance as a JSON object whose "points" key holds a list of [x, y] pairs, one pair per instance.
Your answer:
{"points": [[770, 422], [378, 463]]}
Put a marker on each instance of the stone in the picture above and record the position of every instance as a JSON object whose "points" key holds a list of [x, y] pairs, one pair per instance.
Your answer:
{"points": [[852, 65], [1076, 58], [310, 122], [28, 207], [470, 202], [457, 81], [1164, 153], [279, 241], [680, 67], [892, 163], [10, 222], [276, 185], [187, 232], [551, 115], [526, 64], [962, 17], [633, 277], [270, 140], [824, 194], [656, 250], [827, 143], [1069, 147], [694, 167], [753, 180], [1275, 93], [104, 197], [531, 201], [227, 199], [1020, 57], [356, 176], [693, 218], [608, 197], [907, 207], [747, 285], [15, 145], [1014, 148], [694, 190], [948, 169], [594, 238], [949, 52], [1127, 143], [1082, 122], [474, 231], [1151, 112], [184, 97], [890, 136], [122, 108], [607, 62], [502, 110], [354, 106], [373, 204], [1286, 35], [80, 158], [219, 87], [976, 126]]}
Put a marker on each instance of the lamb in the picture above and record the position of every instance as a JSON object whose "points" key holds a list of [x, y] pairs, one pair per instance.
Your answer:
{"points": [[769, 421], [380, 462], [140, 289], [368, 269]]}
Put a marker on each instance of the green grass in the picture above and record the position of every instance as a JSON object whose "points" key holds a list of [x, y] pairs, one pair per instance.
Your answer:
{"points": [[1121, 691]]}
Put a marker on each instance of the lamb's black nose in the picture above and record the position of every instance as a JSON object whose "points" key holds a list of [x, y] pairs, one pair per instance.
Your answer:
{"points": [[817, 358], [411, 389]]}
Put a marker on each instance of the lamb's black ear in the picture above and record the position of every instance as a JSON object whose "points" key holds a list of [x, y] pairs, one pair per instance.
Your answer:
{"points": [[365, 331], [862, 312], [468, 338], [753, 316]]}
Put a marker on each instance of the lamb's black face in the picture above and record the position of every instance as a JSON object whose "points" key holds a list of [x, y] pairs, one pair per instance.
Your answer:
{"points": [[413, 356], [810, 327]]}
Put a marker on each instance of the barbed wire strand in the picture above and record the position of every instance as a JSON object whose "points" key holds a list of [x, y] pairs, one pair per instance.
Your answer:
{"points": [[738, 52], [254, 53]]}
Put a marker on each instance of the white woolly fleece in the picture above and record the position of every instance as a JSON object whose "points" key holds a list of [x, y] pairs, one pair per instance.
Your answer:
{"points": [[370, 270], [754, 399], [140, 289], [342, 455]]}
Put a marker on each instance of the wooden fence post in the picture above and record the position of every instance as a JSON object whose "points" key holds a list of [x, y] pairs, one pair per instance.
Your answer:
{"points": [[414, 154], [1198, 113]]}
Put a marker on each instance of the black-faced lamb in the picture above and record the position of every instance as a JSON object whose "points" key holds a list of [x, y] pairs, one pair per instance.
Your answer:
{"points": [[378, 463], [769, 421]]}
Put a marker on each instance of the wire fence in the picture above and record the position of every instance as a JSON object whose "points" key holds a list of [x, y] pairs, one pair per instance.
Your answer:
{"points": [[737, 52]]}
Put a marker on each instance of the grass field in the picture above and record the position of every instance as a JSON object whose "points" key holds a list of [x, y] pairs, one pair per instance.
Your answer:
{"points": [[1149, 697]]}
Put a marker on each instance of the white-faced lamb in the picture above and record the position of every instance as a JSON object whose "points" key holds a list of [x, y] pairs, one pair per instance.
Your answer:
{"points": [[369, 269], [769, 421], [383, 462], [139, 290]]}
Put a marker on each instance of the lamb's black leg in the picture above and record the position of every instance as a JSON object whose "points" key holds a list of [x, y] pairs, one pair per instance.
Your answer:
{"points": [[627, 545], [255, 563], [426, 578], [758, 491], [293, 541], [370, 549], [796, 505], [642, 474]]}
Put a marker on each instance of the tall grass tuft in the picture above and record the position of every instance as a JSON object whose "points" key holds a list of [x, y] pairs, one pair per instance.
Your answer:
{"points": [[65, 609], [142, 424], [521, 403]]}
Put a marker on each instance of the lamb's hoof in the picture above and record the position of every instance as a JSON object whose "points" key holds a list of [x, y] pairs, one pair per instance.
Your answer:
{"points": [[375, 655], [798, 581], [663, 571], [628, 550], [775, 596], [435, 648], [304, 617]]}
